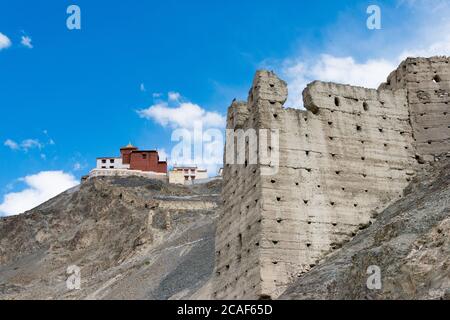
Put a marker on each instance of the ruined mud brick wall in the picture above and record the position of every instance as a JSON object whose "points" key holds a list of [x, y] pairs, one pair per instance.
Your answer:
{"points": [[428, 88], [342, 160]]}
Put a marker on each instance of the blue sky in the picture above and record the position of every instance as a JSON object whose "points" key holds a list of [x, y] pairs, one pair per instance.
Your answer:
{"points": [[69, 96]]}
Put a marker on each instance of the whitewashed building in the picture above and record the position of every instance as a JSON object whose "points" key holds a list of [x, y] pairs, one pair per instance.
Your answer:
{"points": [[187, 174]]}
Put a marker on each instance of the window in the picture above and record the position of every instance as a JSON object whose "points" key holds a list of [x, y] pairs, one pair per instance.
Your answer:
{"points": [[186, 178], [103, 167], [111, 160], [111, 167], [144, 156], [103, 160]]}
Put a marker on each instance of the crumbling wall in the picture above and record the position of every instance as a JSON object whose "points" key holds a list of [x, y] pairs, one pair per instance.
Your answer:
{"points": [[342, 160], [427, 81]]}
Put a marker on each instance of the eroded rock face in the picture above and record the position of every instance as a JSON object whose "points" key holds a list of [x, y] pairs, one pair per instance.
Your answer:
{"points": [[409, 242], [133, 238]]}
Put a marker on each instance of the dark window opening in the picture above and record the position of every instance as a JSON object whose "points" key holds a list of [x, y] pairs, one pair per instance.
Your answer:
{"points": [[365, 106], [337, 102]]}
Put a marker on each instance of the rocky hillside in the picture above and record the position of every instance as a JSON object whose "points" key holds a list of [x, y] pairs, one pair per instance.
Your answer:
{"points": [[132, 238], [135, 238], [409, 242]]}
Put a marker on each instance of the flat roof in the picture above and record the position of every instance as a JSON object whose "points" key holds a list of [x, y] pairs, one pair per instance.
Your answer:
{"points": [[100, 158], [139, 151]]}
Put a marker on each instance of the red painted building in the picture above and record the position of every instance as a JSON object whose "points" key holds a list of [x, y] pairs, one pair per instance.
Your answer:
{"points": [[143, 160]]}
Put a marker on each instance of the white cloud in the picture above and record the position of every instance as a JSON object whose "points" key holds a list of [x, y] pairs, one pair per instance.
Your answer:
{"points": [[31, 144], [40, 188], [26, 41], [174, 96], [4, 42], [27, 144], [190, 118], [343, 70], [183, 115], [11, 144]]}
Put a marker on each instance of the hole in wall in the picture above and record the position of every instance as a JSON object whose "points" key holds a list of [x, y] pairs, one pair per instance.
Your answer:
{"points": [[279, 220], [332, 203], [296, 183], [275, 242], [273, 181], [275, 115], [365, 106], [358, 128], [330, 123], [437, 79], [308, 245], [337, 102], [278, 199], [305, 201]]}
